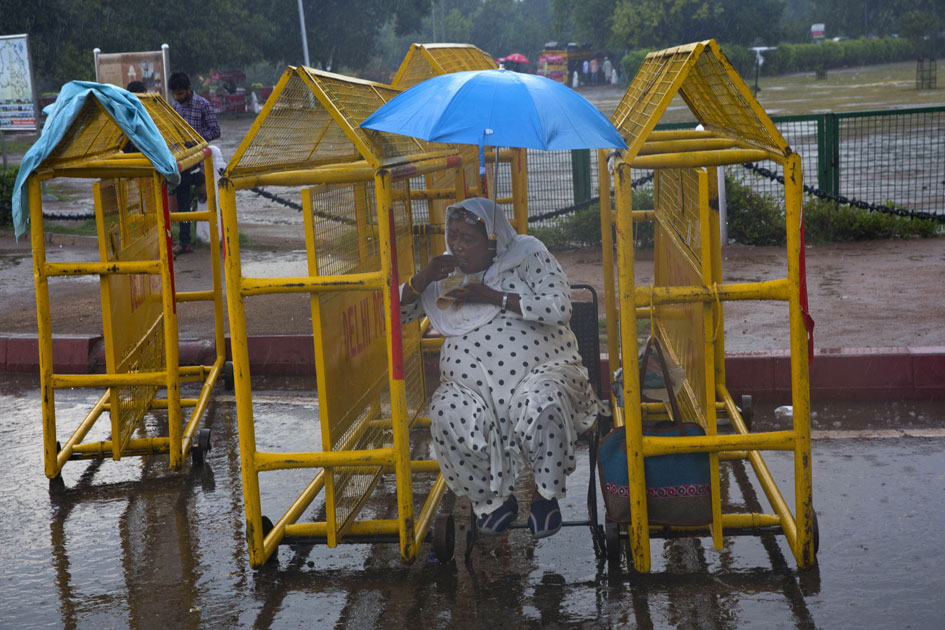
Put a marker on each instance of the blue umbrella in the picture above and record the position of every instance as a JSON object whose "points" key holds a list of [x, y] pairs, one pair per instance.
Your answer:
{"points": [[496, 108]]}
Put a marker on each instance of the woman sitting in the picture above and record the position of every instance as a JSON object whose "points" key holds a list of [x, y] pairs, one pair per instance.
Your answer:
{"points": [[512, 388]]}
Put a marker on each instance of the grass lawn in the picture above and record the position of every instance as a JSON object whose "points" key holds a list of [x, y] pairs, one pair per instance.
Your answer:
{"points": [[886, 86]]}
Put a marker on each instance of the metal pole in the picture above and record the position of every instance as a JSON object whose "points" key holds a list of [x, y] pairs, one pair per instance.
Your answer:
{"points": [[304, 37], [723, 210]]}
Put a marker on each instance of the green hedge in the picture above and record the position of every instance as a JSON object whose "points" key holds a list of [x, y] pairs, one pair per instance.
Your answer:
{"points": [[753, 219], [756, 219], [7, 179], [789, 58]]}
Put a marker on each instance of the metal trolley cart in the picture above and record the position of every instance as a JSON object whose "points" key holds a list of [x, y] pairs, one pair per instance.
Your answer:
{"points": [[139, 301], [685, 303], [358, 201]]}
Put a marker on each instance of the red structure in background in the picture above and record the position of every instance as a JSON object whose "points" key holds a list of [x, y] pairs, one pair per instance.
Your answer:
{"points": [[223, 92]]}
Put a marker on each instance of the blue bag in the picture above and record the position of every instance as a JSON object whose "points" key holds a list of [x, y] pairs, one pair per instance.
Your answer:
{"points": [[677, 485]]}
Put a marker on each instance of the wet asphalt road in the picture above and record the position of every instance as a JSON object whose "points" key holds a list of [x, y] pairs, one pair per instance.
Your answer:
{"points": [[132, 544]]}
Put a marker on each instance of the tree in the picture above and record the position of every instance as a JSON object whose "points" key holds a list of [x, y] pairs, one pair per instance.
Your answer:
{"points": [[661, 23], [63, 33], [591, 19], [341, 33]]}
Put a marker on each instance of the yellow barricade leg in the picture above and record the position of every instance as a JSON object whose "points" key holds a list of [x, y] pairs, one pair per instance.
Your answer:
{"points": [[802, 546], [241, 376], [398, 399]]}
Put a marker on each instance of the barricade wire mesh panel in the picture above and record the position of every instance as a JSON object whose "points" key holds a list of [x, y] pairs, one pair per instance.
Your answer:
{"points": [[417, 71], [644, 94], [678, 239], [135, 400], [174, 129], [355, 101], [426, 61], [288, 136], [462, 58], [714, 99], [345, 228], [92, 135], [135, 337], [336, 230], [676, 203]]}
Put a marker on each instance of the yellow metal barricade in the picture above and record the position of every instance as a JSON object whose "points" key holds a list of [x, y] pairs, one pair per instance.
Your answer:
{"points": [[355, 188], [139, 301], [685, 302], [424, 61]]}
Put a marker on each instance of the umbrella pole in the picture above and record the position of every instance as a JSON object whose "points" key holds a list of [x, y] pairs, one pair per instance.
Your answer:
{"points": [[483, 180], [495, 178]]}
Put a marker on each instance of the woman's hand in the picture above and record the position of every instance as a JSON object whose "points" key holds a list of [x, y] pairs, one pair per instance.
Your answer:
{"points": [[438, 268], [477, 293]]}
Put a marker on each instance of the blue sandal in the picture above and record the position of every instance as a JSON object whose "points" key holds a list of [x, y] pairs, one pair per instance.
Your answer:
{"points": [[544, 518], [498, 520]]}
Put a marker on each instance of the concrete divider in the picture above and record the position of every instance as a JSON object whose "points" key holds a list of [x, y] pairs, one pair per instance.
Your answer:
{"points": [[836, 373]]}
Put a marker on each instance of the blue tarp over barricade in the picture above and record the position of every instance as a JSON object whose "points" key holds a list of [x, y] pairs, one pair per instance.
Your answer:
{"points": [[128, 113]]}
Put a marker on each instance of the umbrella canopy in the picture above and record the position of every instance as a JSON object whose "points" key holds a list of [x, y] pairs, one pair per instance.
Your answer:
{"points": [[516, 58], [496, 108]]}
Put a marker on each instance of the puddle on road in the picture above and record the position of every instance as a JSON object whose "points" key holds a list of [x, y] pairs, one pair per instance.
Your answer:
{"points": [[132, 543]]}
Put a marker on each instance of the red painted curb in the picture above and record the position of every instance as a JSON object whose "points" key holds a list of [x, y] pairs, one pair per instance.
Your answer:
{"points": [[847, 373]]}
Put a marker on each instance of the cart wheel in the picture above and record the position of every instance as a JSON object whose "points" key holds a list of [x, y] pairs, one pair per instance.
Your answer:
{"points": [[471, 534], [228, 376], [748, 412], [612, 532], [444, 538], [600, 542], [198, 452]]}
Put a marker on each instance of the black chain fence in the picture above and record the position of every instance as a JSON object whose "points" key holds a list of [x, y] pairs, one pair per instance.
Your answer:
{"points": [[845, 201]]}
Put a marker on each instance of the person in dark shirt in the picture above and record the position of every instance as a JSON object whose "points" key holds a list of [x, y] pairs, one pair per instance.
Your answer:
{"points": [[198, 113]]}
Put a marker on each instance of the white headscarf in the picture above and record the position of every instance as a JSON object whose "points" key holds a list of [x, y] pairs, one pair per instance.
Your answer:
{"points": [[511, 249]]}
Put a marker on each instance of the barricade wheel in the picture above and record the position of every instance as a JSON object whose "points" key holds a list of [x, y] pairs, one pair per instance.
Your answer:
{"points": [[815, 531], [198, 452], [228, 376], [57, 484], [612, 532], [444, 538], [748, 412]]}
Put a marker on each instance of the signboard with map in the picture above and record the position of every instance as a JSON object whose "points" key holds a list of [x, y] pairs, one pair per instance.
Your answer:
{"points": [[18, 107]]}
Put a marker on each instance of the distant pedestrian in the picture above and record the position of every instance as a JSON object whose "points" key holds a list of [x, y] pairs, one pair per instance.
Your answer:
{"points": [[585, 70], [198, 113], [593, 65], [606, 67]]}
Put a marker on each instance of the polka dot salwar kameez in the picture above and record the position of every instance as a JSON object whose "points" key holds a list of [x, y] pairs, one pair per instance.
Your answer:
{"points": [[512, 392]]}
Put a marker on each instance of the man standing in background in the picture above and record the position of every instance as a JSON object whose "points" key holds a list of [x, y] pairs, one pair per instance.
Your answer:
{"points": [[198, 113]]}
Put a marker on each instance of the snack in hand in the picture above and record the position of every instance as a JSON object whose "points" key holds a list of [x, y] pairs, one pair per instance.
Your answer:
{"points": [[451, 283]]}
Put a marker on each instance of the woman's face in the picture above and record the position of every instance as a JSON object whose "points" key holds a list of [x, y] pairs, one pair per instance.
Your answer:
{"points": [[469, 244]]}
